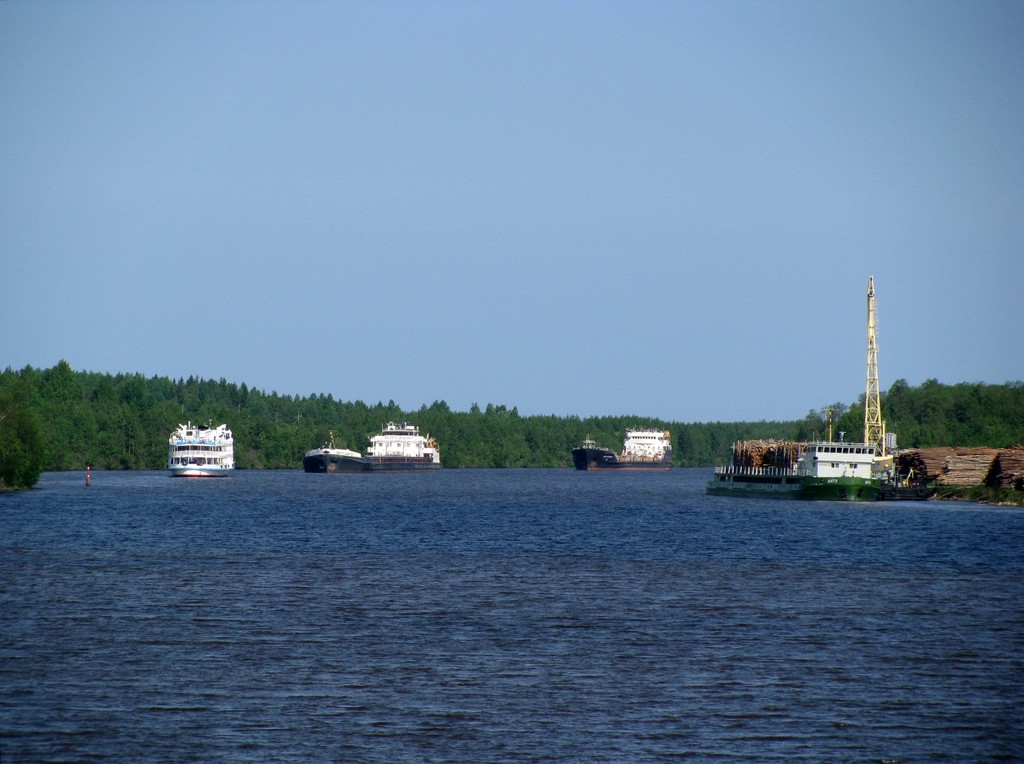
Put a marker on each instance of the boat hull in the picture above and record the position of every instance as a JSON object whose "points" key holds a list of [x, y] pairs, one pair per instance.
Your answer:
{"points": [[606, 459], [400, 464], [194, 471], [795, 487], [333, 464]]}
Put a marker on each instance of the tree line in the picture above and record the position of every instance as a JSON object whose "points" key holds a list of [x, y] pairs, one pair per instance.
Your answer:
{"points": [[62, 419]]}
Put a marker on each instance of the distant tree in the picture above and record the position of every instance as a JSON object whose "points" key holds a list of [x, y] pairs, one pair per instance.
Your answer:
{"points": [[21, 445]]}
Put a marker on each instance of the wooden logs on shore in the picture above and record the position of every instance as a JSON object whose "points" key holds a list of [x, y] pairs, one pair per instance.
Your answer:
{"points": [[1009, 469], [964, 466], [923, 465], [968, 467]]}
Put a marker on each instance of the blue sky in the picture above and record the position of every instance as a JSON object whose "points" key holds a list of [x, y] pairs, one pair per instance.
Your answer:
{"points": [[663, 209]]}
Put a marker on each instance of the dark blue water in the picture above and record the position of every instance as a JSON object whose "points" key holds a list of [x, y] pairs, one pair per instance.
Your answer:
{"points": [[501, 616]]}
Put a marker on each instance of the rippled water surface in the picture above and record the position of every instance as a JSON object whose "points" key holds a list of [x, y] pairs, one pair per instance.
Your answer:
{"points": [[501, 615]]}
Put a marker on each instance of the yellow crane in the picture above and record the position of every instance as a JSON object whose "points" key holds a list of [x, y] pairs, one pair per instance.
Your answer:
{"points": [[873, 427]]}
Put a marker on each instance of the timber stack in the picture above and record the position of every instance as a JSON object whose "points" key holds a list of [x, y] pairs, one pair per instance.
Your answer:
{"points": [[1010, 472], [923, 464], [765, 453], [965, 467], [968, 467]]}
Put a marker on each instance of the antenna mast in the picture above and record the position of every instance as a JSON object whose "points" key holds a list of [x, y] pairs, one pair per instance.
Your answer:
{"points": [[873, 430]]}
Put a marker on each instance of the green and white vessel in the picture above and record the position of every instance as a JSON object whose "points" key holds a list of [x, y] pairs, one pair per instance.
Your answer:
{"points": [[826, 470]]}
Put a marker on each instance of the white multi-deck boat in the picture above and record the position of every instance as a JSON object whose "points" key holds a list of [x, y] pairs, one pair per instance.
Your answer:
{"points": [[644, 448], [398, 448], [201, 451]]}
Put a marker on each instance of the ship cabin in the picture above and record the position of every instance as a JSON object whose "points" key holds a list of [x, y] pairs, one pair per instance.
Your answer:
{"points": [[832, 460], [402, 440], [646, 443]]}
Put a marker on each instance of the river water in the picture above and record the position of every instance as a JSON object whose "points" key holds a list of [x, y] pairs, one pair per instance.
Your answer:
{"points": [[501, 616]]}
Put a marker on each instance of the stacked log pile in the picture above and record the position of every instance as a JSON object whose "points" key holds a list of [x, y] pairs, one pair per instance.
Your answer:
{"points": [[968, 467], [964, 466], [1008, 471], [924, 465], [765, 453]]}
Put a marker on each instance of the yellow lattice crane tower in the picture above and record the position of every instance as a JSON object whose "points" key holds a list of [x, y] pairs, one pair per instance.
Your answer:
{"points": [[874, 430]]}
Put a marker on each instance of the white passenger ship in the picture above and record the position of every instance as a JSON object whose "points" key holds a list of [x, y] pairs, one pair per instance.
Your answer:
{"points": [[201, 451]]}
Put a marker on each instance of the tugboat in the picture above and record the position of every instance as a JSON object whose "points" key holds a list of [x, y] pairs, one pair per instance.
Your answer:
{"points": [[643, 449], [397, 448], [201, 451]]}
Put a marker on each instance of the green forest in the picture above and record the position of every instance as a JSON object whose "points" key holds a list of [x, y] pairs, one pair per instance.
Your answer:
{"points": [[62, 419]]}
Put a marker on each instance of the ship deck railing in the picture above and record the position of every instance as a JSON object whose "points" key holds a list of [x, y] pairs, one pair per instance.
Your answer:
{"points": [[732, 469]]}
